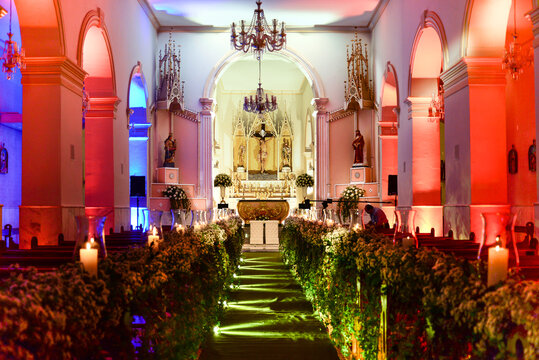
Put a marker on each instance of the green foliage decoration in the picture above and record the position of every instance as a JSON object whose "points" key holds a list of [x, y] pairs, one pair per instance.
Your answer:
{"points": [[439, 306], [177, 288]]}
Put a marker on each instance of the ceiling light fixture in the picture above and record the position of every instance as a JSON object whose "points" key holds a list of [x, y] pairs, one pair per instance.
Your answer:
{"points": [[261, 104], [259, 37], [12, 57], [516, 59]]}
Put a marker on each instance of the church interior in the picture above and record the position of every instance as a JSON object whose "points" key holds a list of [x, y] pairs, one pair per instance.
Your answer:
{"points": [[299, 133]]}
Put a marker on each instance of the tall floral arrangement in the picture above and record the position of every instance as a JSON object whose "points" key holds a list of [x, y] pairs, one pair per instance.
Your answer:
{"points": [[304, 180], [222, 180], [178, 197], [349, 200]]}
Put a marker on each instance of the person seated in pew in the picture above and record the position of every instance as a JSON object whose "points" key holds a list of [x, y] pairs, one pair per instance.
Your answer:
{"points": [[378, 217]]}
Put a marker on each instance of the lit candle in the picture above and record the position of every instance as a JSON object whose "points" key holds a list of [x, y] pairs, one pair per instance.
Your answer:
{"points": [[330, 222], [179, 228], [498, 259], [356, 227], [88, 258], [153, 238], [407, 242]]}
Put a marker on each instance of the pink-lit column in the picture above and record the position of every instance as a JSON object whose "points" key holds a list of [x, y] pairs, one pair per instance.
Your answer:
{"points": [[205, 152], [322, 149], [425, 169], [534, 15], [99, 171], [52, 150], [475, 143]]}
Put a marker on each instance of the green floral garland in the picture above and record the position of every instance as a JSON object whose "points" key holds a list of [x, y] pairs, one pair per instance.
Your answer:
{"points": [[178, 289], [438, 305]]}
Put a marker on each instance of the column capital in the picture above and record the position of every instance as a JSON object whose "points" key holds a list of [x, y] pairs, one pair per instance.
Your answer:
{"points": [[534, 17], [418, 106], [103, 106], [473, 71], [53, 70], [207, 104], [320, 104]]}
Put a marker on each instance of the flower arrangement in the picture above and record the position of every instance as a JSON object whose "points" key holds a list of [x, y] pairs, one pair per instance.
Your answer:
{"points": [[349, 200], [304, 180], [222, 180], [178, 197]]}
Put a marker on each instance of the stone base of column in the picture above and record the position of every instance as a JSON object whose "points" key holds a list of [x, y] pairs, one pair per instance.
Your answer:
{"points": [[46, 223], [428, 217], [457, 218]]}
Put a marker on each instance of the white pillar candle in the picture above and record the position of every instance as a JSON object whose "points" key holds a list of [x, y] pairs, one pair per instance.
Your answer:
{"points": [[498, 259], [330, 222], [153, 238], [88, 258]]}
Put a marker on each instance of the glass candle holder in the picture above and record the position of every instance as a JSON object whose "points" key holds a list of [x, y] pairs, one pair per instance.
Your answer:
{"points": [[90, 229], [405, 228], [498, 230], [356, 219], [154, 221]]}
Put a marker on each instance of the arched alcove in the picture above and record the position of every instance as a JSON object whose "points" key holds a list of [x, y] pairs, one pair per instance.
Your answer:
{"points": [[428, 149], [388, 130], [137, 98], [10, 130], [237, 148], [95, 57]]}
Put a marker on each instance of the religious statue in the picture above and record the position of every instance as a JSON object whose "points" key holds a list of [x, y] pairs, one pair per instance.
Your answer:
{"points": [[286, 153], [532, 160], [241, 156], [512, 160], [358, 145], [262, 154], [3, 159], [170, 150]]}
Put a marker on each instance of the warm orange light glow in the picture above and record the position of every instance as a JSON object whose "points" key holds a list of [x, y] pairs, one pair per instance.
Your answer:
{"points": [[95, 55], [428, 55], [88, 246]]}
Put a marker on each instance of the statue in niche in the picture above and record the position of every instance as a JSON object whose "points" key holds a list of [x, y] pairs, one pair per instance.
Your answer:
{"points": [[170, 151], [358, 146], [512, 160], [241, 156], [3, 159], [532, 160], [286, 153], [262, 155]]}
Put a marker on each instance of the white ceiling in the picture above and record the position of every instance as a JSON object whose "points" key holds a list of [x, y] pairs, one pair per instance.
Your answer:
{"points": [[278, 74], [295, 13]]}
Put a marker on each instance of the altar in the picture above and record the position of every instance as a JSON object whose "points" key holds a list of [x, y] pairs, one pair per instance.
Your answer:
{"points": [[263, 210]]}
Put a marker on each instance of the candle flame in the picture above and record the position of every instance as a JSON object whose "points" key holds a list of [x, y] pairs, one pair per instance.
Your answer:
{"points": [[154, 231], [497, 247], [88, 246], [92, 240]]}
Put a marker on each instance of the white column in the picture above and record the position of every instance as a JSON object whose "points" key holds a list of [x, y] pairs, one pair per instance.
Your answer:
{"points": [[205, 152], [322, 149]]}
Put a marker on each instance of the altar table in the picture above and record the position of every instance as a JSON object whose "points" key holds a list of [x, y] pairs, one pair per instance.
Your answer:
{"points": [[263, 210]]}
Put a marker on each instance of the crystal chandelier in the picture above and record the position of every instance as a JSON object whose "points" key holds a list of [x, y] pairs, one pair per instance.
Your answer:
{"points": [[259, 37], [516, 59], [260, 104], [12, 57]]}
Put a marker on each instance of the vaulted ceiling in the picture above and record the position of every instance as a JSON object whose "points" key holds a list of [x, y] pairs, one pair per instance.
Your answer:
{"points": [[295, 13]]}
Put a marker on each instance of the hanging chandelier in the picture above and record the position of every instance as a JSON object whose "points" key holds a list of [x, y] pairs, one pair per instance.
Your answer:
{"points": [[13, 57], [261, 102], [259, 36], [516, 59]]}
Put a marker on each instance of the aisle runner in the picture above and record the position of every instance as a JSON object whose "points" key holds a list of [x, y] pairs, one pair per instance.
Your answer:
{"points": [[268, 318]]}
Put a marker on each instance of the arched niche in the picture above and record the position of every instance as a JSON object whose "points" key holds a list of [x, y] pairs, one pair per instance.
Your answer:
{"points": [[139, 127], [428, 60], [94, 55]]}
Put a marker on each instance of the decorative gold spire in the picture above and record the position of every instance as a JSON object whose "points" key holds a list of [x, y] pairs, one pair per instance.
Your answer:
{"points": [[358, 92]]}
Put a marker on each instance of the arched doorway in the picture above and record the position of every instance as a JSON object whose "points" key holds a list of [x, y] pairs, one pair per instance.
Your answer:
{"points": [[10, 132], [289, 147], [388, 134], [95, 57], [426, 99], [138, 143]]}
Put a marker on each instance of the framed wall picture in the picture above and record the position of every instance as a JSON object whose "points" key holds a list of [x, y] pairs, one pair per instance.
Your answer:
{"points": [[3, 159]]}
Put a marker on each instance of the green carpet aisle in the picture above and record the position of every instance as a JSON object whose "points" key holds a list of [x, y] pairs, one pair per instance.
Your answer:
{"points": [[268, 318]]}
